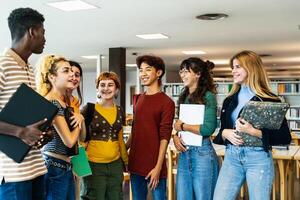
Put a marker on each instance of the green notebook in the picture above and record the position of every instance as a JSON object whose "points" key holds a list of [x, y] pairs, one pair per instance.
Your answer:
{"points": [[81, 166]]}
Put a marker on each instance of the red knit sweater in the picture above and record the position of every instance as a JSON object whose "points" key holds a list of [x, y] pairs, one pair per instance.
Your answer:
{"points": [[153, 120]]}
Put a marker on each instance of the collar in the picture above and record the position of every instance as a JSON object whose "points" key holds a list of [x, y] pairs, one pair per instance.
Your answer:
{"points": [[16, 57]]}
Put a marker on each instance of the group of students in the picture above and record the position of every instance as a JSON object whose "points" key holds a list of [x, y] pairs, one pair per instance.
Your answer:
{"points": [[99, 127]]}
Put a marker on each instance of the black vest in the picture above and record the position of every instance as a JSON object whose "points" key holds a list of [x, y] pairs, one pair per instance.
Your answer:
{"points": [[100, 129]]}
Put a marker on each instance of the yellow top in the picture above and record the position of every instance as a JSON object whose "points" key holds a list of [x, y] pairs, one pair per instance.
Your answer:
{"points": [[75, 104], [107, 151]]}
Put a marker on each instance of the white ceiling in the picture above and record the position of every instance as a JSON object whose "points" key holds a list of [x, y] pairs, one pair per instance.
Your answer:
{"points": [[267, 27]]}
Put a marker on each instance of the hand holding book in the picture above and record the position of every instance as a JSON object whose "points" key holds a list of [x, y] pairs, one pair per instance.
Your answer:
{"points": [[246, 127], [31, 134], [44, 139]]}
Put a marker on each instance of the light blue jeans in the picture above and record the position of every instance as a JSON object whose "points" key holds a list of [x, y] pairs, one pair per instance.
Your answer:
{"points": [[197, 172], [139, 187], [252, 164]]}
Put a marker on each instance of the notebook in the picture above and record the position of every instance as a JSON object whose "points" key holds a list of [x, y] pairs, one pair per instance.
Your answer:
{"points": [[25, 107], [80, 163], [265, 114], [191, 114]]}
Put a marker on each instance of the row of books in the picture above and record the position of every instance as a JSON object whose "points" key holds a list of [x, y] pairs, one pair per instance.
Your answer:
{"points": [[293, 112], [288, 88], [294, 125], [173, 90], [277, 88]]}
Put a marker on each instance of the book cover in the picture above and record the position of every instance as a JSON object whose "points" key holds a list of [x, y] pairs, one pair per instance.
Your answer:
{"points": [[81, 164], [25, 107]]}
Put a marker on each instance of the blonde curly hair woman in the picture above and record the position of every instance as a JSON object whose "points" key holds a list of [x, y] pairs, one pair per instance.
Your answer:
{"points": [[54, 78]]}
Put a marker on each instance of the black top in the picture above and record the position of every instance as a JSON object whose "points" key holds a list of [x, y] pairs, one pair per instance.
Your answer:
{"points": [[281, 136]]}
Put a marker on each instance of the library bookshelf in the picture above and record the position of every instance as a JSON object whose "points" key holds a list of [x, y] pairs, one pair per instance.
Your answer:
{"points": [[289, 91]]}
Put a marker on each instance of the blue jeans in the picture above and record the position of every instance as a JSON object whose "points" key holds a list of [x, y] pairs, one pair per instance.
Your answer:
{"points": [[252, 164], [139, 188], [197, 172], [25, 190], [59, 180]]}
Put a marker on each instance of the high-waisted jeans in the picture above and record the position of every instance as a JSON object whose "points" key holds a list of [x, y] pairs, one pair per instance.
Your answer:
{"points": [[252, 164], [197, 172]]}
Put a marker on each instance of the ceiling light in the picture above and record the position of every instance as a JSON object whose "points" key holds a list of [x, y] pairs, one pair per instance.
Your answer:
{"points": [[220, 61], [212, 16], [71, 5], [93, 57], [131, 65], [152, 36], [197, 52]]}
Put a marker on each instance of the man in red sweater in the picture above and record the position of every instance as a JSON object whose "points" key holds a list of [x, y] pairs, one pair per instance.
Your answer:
{"points": [[151, 132]]}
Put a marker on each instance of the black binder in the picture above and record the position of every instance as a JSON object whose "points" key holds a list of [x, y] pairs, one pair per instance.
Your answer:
{"points": [[25, 107]]}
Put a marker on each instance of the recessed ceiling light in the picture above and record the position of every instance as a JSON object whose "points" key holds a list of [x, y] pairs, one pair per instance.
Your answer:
{"points": [[220, 61], [212, 16], [73, 5], [93, 57], [197, 52], [131, 65], [153, 36]]}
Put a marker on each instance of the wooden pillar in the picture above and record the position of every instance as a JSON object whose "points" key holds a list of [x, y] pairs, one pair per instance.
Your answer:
{"points": [[117, 62]]}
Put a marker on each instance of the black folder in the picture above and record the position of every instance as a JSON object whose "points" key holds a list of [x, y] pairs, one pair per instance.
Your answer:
{"points": [[25, 107]]}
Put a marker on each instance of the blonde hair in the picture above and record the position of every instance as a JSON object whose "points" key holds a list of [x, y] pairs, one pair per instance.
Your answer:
{"points": [[45, 66], [257, 78]]}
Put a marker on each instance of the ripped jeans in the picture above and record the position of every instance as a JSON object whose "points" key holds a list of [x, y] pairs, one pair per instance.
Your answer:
{"points": [[250, 164]]}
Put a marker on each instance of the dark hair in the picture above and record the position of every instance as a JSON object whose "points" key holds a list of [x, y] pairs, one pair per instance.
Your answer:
{"points": [[77, 65], [22, 19], [153, 61], [205, 82]]}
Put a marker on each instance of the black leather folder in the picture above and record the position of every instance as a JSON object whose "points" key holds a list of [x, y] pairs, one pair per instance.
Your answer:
{"points": [[24, 108]]}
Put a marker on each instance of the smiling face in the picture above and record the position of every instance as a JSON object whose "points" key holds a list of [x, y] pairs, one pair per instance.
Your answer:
{"points": [[239, 73], [148, 74], [76, 76], [107, 89], [189, 78]]}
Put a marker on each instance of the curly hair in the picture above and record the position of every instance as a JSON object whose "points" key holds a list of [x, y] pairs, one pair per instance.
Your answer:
{"points": [[205, 82], [45, 66], [21, 19]]}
